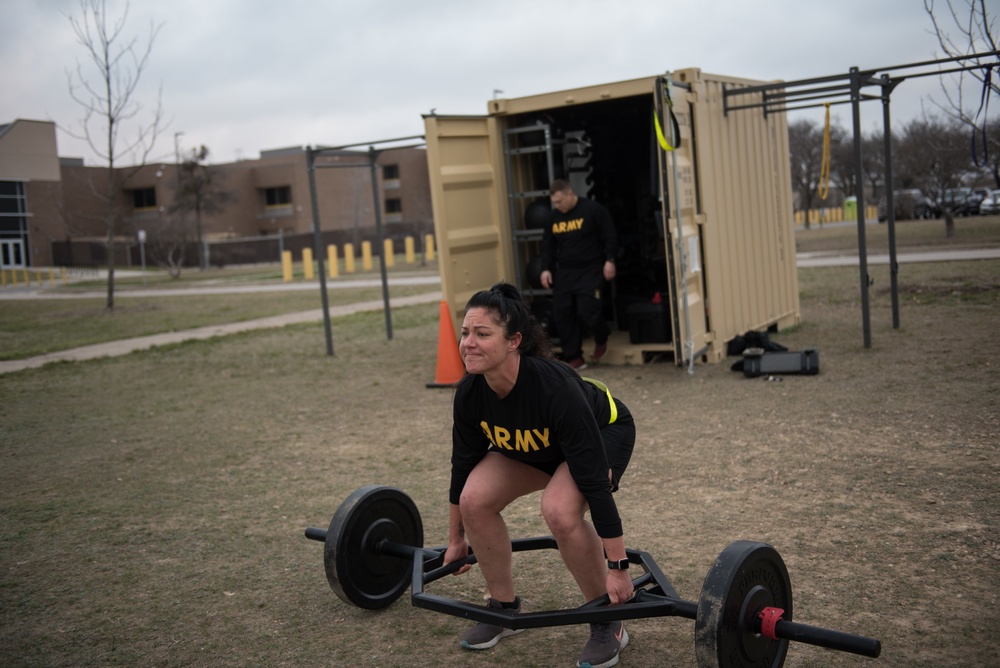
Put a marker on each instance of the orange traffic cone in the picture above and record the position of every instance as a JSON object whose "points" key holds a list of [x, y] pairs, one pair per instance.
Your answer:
{"points": [[449, 363]]}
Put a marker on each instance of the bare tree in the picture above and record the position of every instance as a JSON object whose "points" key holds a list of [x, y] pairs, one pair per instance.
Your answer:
{"points": [[109, 105], [930, 154], [199, 192], [873, 161], [168, 243], [842, 160], [972, 27], [992, 159], [805, 146], [934, 155]]}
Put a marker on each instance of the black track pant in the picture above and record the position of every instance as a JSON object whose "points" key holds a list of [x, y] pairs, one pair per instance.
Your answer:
{"points": [[569, 310]]}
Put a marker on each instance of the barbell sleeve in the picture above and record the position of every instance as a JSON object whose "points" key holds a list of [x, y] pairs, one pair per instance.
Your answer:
{"points": [[820, 637], [314, 533]]}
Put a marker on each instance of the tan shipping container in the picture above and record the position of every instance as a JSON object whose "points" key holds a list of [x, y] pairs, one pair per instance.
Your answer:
{"points": [[723, 264]]}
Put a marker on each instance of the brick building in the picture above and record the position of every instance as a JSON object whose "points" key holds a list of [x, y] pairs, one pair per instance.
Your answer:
{"points": [[51, 212]]}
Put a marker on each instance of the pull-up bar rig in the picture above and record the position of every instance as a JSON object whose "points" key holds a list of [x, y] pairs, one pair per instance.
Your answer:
{"points": [[373, 153], [781, 97]]}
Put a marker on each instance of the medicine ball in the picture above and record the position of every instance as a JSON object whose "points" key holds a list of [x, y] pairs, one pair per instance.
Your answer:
{"points": [[533, 271], [538, 214]]}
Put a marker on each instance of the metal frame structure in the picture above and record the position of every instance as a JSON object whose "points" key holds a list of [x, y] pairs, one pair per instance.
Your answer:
{"points": [[785, 96], [654, 596], [373, 153]]}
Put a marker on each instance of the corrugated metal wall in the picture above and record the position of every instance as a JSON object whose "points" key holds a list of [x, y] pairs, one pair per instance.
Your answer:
{"points": [[746, 201]]}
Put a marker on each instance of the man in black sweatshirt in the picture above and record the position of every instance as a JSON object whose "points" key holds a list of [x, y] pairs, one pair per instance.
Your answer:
{"points": [[579, 248]]}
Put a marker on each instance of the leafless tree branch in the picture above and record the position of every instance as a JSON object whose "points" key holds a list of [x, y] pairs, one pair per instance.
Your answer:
{"points": [[110, 104]]}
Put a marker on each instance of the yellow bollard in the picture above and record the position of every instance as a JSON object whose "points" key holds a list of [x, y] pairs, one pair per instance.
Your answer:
{"points": [[331, 260], [429, 246], [65, 279], [349, 258], [388, 253], [52, 277], [366, 255], [286, 266], [307, 263], [3, 278], [27, 281], [410, 255]]}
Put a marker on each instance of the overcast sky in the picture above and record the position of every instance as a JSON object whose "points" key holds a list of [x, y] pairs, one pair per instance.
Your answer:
{"points": [[241, 76]]}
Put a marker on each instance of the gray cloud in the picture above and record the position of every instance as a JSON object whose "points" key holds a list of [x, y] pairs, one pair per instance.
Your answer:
{"points": [[244, 75]]}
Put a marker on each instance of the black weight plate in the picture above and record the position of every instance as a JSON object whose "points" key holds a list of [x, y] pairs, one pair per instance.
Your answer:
{"points": [[746, 577], [356, 572]]}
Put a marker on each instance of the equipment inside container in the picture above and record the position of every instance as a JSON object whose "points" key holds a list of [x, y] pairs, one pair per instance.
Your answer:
{"points": [[608, 151]]}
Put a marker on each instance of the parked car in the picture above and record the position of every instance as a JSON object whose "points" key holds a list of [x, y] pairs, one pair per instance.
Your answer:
{"points": [[957, 200], [990, 206], [976, 199], [908, 203]]}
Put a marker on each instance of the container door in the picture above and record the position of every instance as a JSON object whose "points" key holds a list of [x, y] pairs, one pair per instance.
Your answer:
{"points": [[464, 158], [682, 234]]}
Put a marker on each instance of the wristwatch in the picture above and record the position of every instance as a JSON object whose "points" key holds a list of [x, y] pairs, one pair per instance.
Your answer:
{"points": [[620, 565]]}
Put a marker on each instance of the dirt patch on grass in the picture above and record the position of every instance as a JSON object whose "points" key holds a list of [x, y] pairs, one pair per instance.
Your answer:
{"points": [[153, 505], [962, 287]]}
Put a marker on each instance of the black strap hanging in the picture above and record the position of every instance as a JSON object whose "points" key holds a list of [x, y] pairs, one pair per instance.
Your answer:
{"points": [[984, 106]]}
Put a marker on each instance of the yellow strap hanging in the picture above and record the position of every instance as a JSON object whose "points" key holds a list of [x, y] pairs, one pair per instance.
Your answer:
{"points": [[611, 400], [675, 139], [824, 169], [664, 144]]}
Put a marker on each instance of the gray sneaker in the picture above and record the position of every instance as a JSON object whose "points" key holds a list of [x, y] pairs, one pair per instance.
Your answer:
{"points": [[606, 641], [483, 635]]}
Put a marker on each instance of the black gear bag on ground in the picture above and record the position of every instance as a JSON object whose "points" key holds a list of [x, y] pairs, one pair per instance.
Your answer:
{"points": [[758, 362]]}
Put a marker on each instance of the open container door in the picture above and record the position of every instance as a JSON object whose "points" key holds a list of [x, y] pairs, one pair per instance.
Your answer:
{"points": [[473, 237], [682, 234]]}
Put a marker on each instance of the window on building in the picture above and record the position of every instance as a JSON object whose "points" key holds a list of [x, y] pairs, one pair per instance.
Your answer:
{"points": [[280, 196], [13, 208], [390, 172], [12, 198], [394, 205], [144, 198]]}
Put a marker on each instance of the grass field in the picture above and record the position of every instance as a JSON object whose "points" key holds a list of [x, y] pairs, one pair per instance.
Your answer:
{"points": [[970, 232], [153, 505], [77, 315]]}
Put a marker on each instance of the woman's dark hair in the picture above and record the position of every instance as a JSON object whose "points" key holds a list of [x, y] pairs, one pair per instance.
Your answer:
{"points": [[505, 301]]}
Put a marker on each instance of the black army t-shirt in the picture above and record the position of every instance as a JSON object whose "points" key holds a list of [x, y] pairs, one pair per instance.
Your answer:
{"points": [[550, 415]]}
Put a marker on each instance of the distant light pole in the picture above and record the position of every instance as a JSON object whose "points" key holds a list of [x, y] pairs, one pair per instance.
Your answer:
{"points": [[142, 253], [177, 165], [177, 156]]}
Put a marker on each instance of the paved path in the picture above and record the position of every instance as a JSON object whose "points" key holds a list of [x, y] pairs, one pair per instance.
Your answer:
{"points": [[122, 292], [126, 346], [831, 260]]}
